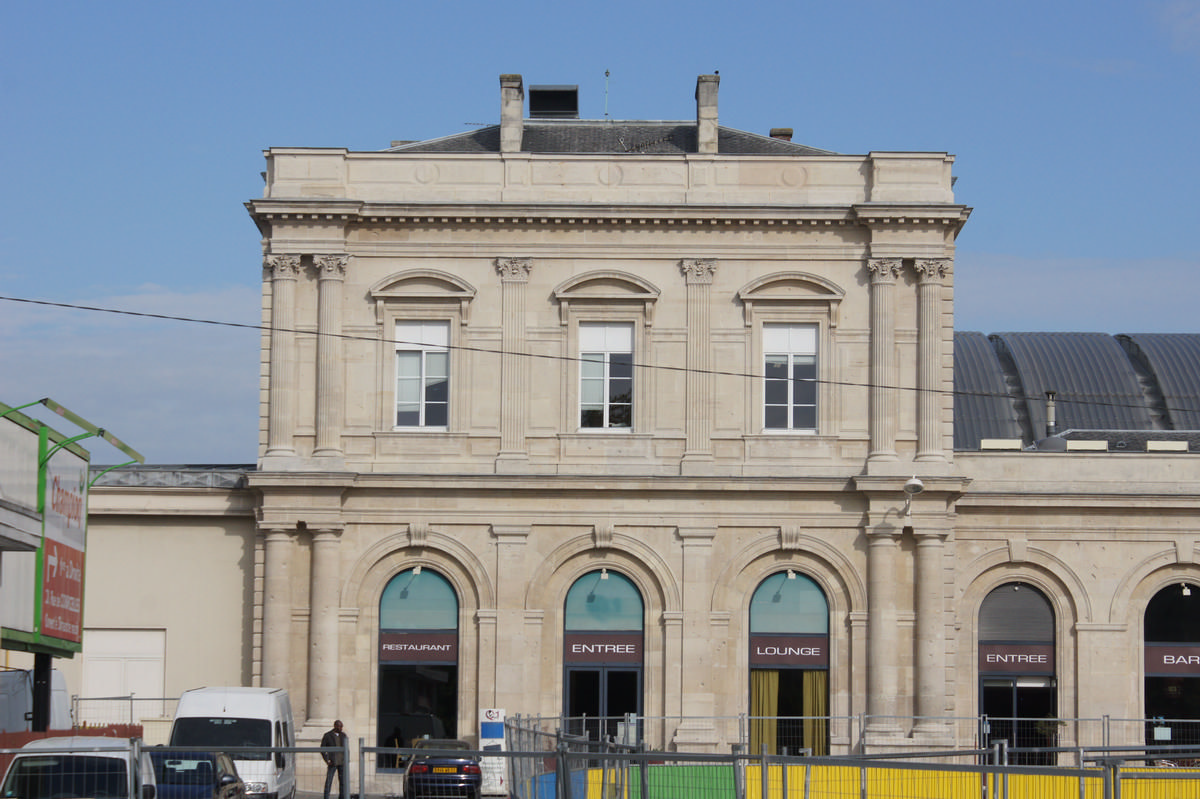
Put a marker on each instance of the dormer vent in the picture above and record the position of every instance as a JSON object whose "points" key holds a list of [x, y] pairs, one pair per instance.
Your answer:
{"points": [[554, 102]]}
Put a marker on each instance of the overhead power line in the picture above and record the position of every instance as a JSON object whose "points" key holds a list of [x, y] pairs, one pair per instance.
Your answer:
{"points": [[1060, 399]]}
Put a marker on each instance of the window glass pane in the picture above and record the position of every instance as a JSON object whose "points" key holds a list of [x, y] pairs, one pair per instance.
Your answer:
{"points": [[591, 417], [804, 418], [408, 416], [780, 605], [436, 414], [408, 364], [424, 601], [596, 602], [408, 391], [591, 364], [775, 367], [776, 392], [436, 389], [805, 387], [776, 417], [620, 390], [620, 364], [437, 364], [620, 416], [592, 392]]}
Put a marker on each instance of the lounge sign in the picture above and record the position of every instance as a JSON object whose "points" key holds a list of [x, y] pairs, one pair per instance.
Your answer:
{"points": [[796, 651], [602, 648], [1172, 659], [418, 647], [1016, 659]]}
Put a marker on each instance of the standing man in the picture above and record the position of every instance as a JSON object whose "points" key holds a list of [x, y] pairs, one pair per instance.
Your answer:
{"points": [[335, 762]]}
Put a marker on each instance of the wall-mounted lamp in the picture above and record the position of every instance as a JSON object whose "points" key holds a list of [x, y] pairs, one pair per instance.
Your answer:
{"points": [[791, 574], [912, 487], [604, 574], [1185, 589], [416, 570]]}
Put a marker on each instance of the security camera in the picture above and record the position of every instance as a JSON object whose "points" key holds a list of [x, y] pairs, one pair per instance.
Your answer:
{"points": [[914, 486]]}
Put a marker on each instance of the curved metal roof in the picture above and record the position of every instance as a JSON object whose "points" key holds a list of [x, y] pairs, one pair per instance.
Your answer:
{"points": [[982, 407], [1173, 361], [1147, 383]]}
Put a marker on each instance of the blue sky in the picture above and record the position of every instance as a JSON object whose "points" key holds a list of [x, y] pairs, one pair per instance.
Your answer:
{"points": [[133, 133]]}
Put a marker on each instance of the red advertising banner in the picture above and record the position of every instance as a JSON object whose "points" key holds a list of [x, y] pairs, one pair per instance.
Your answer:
{"points": [[1016, 659], [1172, 660], [602, 647], [62, 591], [418, 647], [794, 651]]}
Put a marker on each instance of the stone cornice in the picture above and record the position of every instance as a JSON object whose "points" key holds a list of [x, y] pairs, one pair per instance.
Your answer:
{"points": [[690, 217]]}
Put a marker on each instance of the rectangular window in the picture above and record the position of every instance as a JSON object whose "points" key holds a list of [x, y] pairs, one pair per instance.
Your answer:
{"points": [[605, 376], [790, 377], [422, 374]]}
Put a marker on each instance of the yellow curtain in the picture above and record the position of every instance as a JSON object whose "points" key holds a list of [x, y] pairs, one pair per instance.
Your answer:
{"points": [[816, 711], [764, 707]]}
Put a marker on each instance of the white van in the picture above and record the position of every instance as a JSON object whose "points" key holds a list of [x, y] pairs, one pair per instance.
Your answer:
{"points": [[16, 701], [216, 718]]}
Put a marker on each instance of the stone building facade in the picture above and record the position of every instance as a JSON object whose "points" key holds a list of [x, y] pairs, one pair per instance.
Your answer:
{"points": [[587, 418]]}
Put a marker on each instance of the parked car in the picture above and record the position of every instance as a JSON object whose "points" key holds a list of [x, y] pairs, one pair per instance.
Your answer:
{"points": [[443, 773], [196, 775], [79, 767]]}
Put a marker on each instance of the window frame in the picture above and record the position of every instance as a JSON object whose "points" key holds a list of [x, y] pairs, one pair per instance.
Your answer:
{"points": [[606, 353], [423, 350], [426, 296], [791, 353]]}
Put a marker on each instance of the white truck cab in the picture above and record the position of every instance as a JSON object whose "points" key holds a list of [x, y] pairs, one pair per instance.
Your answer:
{"points": [[219, 718], [79, 767]]}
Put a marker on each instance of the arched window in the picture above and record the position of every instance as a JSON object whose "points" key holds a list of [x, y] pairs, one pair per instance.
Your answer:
{"points": [[1018, 691], [418, 659], [603, 620], [1172, 664], [789, 665]]}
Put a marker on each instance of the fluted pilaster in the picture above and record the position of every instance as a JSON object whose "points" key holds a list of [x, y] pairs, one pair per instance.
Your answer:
{"points": [[514, 366], [281, 413], [931, 273], [331, 272], [884, 273], [698, 403]]}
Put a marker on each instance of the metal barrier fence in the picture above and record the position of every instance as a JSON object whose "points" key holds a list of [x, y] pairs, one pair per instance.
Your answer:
{"points": [[843, 735], [598, 774]]}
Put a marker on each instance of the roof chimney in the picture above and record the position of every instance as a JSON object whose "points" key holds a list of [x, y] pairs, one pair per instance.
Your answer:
{"points": [[783, 134], [706, 113], [512, 113]]}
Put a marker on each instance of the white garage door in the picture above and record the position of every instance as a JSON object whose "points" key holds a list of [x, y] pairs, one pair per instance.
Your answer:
{"points": [[117, 665]]}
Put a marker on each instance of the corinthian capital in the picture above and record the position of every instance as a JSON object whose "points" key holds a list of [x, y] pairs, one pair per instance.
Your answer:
{"points": [[514, 269], [284, 265], [331, 266], [883, 270], [932, 268], [698, 270]]}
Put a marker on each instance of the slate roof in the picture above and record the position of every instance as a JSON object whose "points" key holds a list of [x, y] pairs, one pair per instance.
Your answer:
{"points": [[602, 137]]}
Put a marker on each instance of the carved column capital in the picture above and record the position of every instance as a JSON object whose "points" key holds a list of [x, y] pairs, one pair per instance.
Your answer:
{"points": [[514, 270], [698, 270], [932, 269], [884, 270], [284, 265], [331, 267]]}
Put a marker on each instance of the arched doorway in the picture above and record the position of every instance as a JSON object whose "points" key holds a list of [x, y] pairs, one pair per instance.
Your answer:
{"points": [[1172, 664], [418, 658], [789, 665], [602, 654], [1017, 685]]}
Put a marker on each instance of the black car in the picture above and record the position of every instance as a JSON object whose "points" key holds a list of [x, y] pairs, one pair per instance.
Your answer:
{"points": [[444, 772], [196, 775]]}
